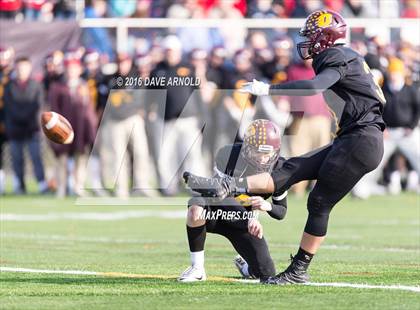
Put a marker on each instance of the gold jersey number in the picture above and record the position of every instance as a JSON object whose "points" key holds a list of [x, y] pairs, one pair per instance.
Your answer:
{"points": [[377, 88]]}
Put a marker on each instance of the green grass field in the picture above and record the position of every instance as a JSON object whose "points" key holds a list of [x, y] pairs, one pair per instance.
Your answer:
{"points": [[374, 242]]}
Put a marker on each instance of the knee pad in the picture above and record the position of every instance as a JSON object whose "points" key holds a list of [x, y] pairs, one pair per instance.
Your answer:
{"points": [[317, 204], [319, 211]]}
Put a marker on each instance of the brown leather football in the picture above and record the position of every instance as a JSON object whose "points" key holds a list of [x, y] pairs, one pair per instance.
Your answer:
{"points": [[57, 128]]}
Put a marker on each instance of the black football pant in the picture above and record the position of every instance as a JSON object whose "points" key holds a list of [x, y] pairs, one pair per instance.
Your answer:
{"points": [[253, 250], [336, 168]]}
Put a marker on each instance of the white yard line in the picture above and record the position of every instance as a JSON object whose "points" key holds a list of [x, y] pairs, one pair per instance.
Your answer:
{"points": [[29, 270], [93, 216], [368, 286], [55, 237], [128, 275]]}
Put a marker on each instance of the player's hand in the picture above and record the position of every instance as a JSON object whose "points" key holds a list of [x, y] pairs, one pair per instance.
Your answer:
{"points": [[255, 228], [256, 88], [259, 203]]}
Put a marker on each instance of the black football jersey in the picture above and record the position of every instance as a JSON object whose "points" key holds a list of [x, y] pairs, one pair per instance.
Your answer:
{"points": [[356, 100], [228, 161]]}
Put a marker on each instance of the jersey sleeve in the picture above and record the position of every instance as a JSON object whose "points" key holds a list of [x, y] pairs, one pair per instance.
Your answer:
{"points": [[332, 58], [279, 206]]}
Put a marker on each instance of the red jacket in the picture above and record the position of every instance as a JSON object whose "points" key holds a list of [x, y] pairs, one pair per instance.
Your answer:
{"points": [[10, 5]]}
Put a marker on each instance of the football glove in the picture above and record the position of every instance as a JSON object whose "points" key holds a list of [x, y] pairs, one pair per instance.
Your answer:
{"points": [[210, 187], [256, 88]]}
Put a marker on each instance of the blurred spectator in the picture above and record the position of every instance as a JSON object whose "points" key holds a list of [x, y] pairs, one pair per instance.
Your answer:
{"points": [[122, 129], [359, 8], [157, 54], [276, 69], [312, 129], [210, 98], [153, 123], [265, 9], [53, 68], [411, 9], [401, 114], [23, 99], [217, 70], [118, 8], [335, 5], [6, 67], [182, 9], [375, 56], [181, 119], [10, 8], [239, 107], [71, 99], [33, 8], [38, 10], [98, 91], [217, 73], [96, 80], [232, 40], [196, 37], [400, 175], [257, 40], [64, 9], [143, 9], [98, 38], [304, 7]]}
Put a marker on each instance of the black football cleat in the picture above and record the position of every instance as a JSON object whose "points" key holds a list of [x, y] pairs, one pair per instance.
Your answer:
{"points": [[208, 187], [296, 273]]}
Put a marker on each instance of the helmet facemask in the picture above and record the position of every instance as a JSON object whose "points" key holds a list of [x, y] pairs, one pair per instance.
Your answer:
{"points": [[315, 44], [262, 158]]}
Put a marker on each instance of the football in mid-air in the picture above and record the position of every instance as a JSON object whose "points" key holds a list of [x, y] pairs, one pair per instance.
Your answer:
{"points": [[57, 128]]}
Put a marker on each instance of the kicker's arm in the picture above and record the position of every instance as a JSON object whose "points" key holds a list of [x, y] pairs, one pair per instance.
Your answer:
{"points": [[279, 207], [318, 84]]}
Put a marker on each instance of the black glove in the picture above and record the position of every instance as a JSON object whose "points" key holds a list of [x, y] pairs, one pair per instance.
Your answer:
{"points": [[210, 187]]}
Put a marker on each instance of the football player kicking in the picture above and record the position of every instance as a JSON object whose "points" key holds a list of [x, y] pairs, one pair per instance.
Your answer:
{"points": [[356, 150], [258, 153]]}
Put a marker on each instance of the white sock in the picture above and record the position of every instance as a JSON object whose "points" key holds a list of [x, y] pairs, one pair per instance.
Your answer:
{"points": [[413, 181], [197, 259], [95, 172]]}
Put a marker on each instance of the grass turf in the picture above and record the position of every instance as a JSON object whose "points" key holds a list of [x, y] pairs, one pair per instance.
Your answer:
{"points": [[373, 242]]}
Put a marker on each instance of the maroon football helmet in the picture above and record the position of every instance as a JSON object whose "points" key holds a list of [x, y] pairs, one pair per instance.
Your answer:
{"points": [[322, 29], [261, 147]]}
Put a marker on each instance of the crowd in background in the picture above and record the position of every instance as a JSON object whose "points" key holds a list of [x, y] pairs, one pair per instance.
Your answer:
{"points": [[46, 10], [118, 147]]}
